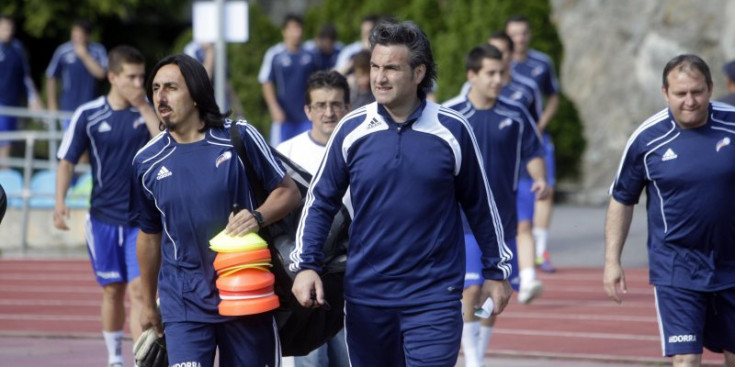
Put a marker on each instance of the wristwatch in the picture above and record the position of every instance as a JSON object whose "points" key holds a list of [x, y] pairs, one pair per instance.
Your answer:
{"points": [[258, 218]]}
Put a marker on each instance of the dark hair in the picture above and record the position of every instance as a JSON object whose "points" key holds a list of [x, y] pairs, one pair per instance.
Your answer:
{"points": [[327, 79], [327, 31], [361, 61], [501, 35], [123, 54], [517, 18], [410, 35], [84, 24], [478, 53], [199, 85], [8, 18], [687, 62], [292, 18], [373, 18]]}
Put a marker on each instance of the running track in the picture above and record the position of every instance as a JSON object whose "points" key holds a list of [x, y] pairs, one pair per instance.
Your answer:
{"points": [[573, 320]]}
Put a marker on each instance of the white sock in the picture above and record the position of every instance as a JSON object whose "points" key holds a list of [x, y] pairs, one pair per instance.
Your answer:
{"points": [[527, 275], [540, 235], [470, 335], [484, 342], [113, 340]]}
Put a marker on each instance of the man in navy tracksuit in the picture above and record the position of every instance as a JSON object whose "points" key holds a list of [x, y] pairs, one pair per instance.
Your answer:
{"points": [[411, 167]]}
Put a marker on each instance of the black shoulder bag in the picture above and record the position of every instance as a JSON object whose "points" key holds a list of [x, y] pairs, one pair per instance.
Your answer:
{"points": [[301, 329]]}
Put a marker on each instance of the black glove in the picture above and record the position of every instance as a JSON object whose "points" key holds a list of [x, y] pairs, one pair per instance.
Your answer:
{"points": [[150, 350]]}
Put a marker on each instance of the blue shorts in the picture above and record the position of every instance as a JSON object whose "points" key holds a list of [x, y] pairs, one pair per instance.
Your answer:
{"points": [[690, 320], [245, 341], [111, 251], [525, 200], [287, 130], [425, 335], [7, 123], [473, 275]]}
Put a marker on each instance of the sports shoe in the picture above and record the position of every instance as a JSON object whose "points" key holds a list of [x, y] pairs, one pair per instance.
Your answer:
{"points": [[529, 291], [116, 364], [544, 263]]}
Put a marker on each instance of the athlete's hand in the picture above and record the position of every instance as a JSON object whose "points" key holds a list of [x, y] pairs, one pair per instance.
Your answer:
{"points": [[277, 115], [614, 276], [241, 224], [497, 290], [150, 317], [61, 214], [135, 95], [541, 189], [308, 289]]}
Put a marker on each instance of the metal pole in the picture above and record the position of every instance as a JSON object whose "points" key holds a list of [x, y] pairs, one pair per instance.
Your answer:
{"points": [[220, 59], [27, 172]]}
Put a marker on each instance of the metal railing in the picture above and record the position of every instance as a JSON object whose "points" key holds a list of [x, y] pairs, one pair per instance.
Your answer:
{"points": [[28, 164]]}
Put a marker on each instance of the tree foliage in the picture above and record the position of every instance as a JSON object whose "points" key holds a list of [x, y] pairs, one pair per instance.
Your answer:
{"points": [[454, 27]]}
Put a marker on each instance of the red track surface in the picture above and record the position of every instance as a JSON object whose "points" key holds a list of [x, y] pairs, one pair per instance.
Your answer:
{"points": [[573, 319]]}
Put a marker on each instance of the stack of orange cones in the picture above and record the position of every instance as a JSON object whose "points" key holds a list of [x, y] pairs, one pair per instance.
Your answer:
{"points": [[244, 281]]}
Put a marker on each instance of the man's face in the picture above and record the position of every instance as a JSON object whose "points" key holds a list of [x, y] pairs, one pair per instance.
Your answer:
{"points": [[171, 98], [325, 45], [131, 76], [79, 35], [688, 97], [327, 108], [520, 33], [393, 81], [6, 30], [488, 81], [503, 47], [292, 33]]}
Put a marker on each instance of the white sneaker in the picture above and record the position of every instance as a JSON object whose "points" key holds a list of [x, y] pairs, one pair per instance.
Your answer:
{"points": [[530, 290]]}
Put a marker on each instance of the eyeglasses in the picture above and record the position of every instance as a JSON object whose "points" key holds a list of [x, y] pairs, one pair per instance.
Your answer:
{"points": [[322, 106]]}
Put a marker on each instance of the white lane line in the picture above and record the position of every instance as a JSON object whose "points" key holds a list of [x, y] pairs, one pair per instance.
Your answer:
{"points": [[574, 334], [585, 317]]}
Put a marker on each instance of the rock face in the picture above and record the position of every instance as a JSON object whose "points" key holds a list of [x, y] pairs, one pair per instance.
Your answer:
{"points": [[614, 55]]}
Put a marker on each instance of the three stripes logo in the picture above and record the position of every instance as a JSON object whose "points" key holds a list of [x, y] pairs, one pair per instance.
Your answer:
{"points": [[163, 173], [669, 155], [373, 124]]}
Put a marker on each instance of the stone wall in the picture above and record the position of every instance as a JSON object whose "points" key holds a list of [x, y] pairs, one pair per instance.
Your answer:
{"points": [[614, 54]]}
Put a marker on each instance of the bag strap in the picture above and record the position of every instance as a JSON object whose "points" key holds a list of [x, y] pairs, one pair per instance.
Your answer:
{"points": [[259, 192]]}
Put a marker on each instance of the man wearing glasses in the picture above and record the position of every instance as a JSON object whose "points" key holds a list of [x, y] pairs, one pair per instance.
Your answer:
{"points": [[327, 102]]}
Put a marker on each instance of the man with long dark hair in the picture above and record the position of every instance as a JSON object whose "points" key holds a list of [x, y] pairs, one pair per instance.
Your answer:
{"points": [[186, 181], [411, 166]]}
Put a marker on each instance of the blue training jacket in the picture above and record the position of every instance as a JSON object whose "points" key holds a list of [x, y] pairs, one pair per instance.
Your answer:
{"points": [[406, 181]]}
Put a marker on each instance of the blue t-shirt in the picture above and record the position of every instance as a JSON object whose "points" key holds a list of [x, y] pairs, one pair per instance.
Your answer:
{"points": [[539, 67], [77, 84], [186, 193], [507, 139], [15, 74], [406, 181], [289, 72], [112, 138], [689, 176]]}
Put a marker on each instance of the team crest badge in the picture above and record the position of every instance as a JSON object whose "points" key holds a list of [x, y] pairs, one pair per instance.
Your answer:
{"points": [[222, 158], [722, 143]]}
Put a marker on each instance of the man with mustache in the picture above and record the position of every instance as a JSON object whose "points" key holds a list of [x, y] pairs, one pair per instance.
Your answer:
{"points": [[186, 181]]}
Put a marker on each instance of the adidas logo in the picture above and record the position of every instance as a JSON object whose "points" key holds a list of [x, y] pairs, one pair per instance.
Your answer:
{"points": [[104, 127], [163, 173], [669, 155], [373, 124]]}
